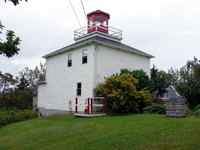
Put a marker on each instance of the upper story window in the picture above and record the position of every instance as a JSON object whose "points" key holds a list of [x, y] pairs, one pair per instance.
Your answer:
{"points": [[69, 62], [84, 57]]}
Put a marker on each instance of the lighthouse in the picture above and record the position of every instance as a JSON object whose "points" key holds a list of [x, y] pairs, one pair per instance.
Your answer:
{"points": [[72, 72]]}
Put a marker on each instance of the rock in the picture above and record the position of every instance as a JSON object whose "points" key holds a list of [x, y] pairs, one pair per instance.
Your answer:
{"points": [[175, 104]]}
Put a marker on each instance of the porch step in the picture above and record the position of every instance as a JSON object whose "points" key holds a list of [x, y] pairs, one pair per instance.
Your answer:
{"points": [[88, 115]]}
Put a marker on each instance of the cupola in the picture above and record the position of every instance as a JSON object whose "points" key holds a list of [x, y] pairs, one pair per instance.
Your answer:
{"points": [[98, 21], [97, 25]]}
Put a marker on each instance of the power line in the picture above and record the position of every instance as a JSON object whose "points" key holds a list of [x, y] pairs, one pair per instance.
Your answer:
{"points": [[75, 13], [84, 10]]}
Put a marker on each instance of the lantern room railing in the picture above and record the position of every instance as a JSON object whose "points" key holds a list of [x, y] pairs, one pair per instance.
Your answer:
{"points": [[98, 28]]}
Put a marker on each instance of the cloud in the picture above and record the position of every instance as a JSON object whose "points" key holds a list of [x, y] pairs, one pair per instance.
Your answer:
{"points": [[14, 65], [167, 29]]}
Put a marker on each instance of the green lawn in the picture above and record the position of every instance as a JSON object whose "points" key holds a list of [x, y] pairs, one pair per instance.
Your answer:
{"points": [[131, 132]]}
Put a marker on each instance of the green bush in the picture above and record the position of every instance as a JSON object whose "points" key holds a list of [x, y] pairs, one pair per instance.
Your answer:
{"points": [[197, 110], [122, 95], [193, 112], [14, 115], [188, 111], [197, 107], [155, 109], [18, 98]]}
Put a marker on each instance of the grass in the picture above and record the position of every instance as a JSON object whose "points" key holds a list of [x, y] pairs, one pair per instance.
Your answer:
{"points": [[131, 132]]}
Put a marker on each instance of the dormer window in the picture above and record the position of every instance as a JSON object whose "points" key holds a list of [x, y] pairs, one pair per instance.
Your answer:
{"points": [[69, 62], [84, 57]]}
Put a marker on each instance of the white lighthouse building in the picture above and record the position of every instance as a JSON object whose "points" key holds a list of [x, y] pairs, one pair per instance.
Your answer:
{"points": [[75, 70]]}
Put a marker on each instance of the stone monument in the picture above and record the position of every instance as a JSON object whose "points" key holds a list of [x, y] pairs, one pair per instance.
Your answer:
{"points": [[175, 104]]}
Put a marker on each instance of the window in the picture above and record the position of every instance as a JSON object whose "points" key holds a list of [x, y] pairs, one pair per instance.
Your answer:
{"points": [[97, 20], [78, 90], [84, 57], [69, 63], [104, 21], [90, 21]]}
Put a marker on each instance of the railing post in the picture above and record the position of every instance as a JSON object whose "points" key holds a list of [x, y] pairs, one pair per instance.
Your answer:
{"points": [[88, 106], [76, 105], [91, 105]]}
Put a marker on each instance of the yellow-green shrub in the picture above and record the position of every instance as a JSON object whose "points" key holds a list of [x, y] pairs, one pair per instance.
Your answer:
{"points": [[122, 95]]}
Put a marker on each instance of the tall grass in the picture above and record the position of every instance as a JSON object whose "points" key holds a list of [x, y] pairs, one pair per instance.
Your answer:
{"points": [[13, 115]]}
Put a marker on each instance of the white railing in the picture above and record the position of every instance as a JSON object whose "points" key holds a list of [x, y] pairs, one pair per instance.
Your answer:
{"points": [[94, 28], [90, 105]]}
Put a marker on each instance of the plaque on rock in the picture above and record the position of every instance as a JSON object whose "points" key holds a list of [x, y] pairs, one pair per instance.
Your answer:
{"points": [[175, 104]]}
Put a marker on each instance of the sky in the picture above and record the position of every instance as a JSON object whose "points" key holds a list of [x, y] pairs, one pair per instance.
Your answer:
{"points": [[166, 29]]}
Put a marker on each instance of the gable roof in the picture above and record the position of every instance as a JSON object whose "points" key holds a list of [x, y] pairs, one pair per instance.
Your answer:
{"points": [[102, 41]]}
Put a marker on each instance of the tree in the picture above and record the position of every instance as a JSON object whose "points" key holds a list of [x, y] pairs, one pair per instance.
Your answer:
{"points": [[15, 2], [188, 81], [28, 78], [20, 95], [122, 95], [6, 81], [1, 27], [19, 98], [10, 48], [161, 80], [143, 78]]}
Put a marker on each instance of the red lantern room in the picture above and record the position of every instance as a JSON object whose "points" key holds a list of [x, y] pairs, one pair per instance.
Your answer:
{"points": [[98, 26], [98, 21]]}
